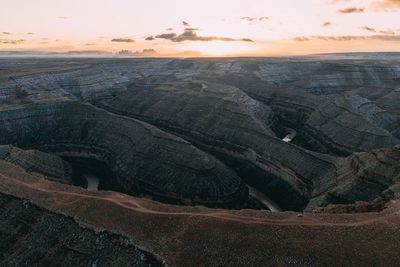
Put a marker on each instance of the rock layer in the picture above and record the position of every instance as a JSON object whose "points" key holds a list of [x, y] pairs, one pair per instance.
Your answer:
{"points": [[142, 158]]}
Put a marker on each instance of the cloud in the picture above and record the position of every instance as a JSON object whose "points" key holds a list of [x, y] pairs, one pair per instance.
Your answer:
{"points": [[327, 24], [386, 5], [191, 29], [10, 41], [168, 36], [190, 34], [348, 38], [338, 1], [350, 10], [144, 53], [150, 38], [30, 33], [301, 39], [89, 44], [254, 19], [6, 33], [62, 17], [184, 23], [123, 40], [385, 32], [169, 29]]}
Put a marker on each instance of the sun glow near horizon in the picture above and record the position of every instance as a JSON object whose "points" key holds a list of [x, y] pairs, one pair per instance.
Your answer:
{"points": [[209, 28], [220, 48]]}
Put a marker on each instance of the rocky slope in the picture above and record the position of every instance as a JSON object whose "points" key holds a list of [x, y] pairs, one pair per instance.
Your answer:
{"points": [[229, 124], [305, 134], [35, 161], [142, 158], [32, 236], [183, 236]]}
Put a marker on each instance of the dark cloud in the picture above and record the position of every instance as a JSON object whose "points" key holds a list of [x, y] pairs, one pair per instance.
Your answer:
{"points": [[123, 40], [169, 29], [385, 32], [350, 10], [6, 33], [246, 40], [254, 19], [348, 38], [190, 34], [150, 38], [14, 42], [184, 23], [167, 36], [327, 24], [30, 33]]}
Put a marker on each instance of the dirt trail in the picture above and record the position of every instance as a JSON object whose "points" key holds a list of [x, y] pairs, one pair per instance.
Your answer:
{"points": [[62, 196]]}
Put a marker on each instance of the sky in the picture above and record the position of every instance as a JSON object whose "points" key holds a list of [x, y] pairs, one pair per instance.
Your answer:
{"points": [[207, 27]]}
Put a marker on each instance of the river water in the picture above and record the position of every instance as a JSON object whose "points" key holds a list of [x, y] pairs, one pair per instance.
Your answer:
{"points": [[92, 181], [260, 196]]}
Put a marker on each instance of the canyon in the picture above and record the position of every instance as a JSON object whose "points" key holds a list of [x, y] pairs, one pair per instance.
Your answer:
{"points": [[200, 161]]}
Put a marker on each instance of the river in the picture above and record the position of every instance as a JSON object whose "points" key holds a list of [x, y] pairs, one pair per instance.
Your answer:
{"points": [[260, 196], [92, 181]]}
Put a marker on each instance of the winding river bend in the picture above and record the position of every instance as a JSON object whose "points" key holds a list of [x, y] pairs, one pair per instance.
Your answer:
{"points": [[92, 181], [263, 199]]}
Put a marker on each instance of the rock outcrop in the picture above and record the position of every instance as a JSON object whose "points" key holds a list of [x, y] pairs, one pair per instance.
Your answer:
{"points": [[33, 236], [143, 159], [372, 177], [235, 128], [49, 165], [236, 110], [305, 134]]}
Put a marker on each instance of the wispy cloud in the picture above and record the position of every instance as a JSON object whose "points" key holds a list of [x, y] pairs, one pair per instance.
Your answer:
{"points": [[123, 40], [11, 41], [350, 10], [338, 1], [347, 38], [385, 32], [254, 19], [6, 33], [301, 39]]}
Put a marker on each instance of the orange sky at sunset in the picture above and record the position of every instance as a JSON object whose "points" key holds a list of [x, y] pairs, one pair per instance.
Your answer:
{"points": [[207, 27]]}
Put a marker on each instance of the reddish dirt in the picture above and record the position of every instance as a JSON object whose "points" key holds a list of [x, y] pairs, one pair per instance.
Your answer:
{"points": [[199, 236]]}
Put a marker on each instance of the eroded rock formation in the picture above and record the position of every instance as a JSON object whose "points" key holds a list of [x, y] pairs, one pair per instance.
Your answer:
{"points": [[200, 131], [143, 159]]}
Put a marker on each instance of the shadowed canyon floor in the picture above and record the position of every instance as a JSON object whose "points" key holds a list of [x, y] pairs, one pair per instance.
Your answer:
{"points": [[190, 156]]}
